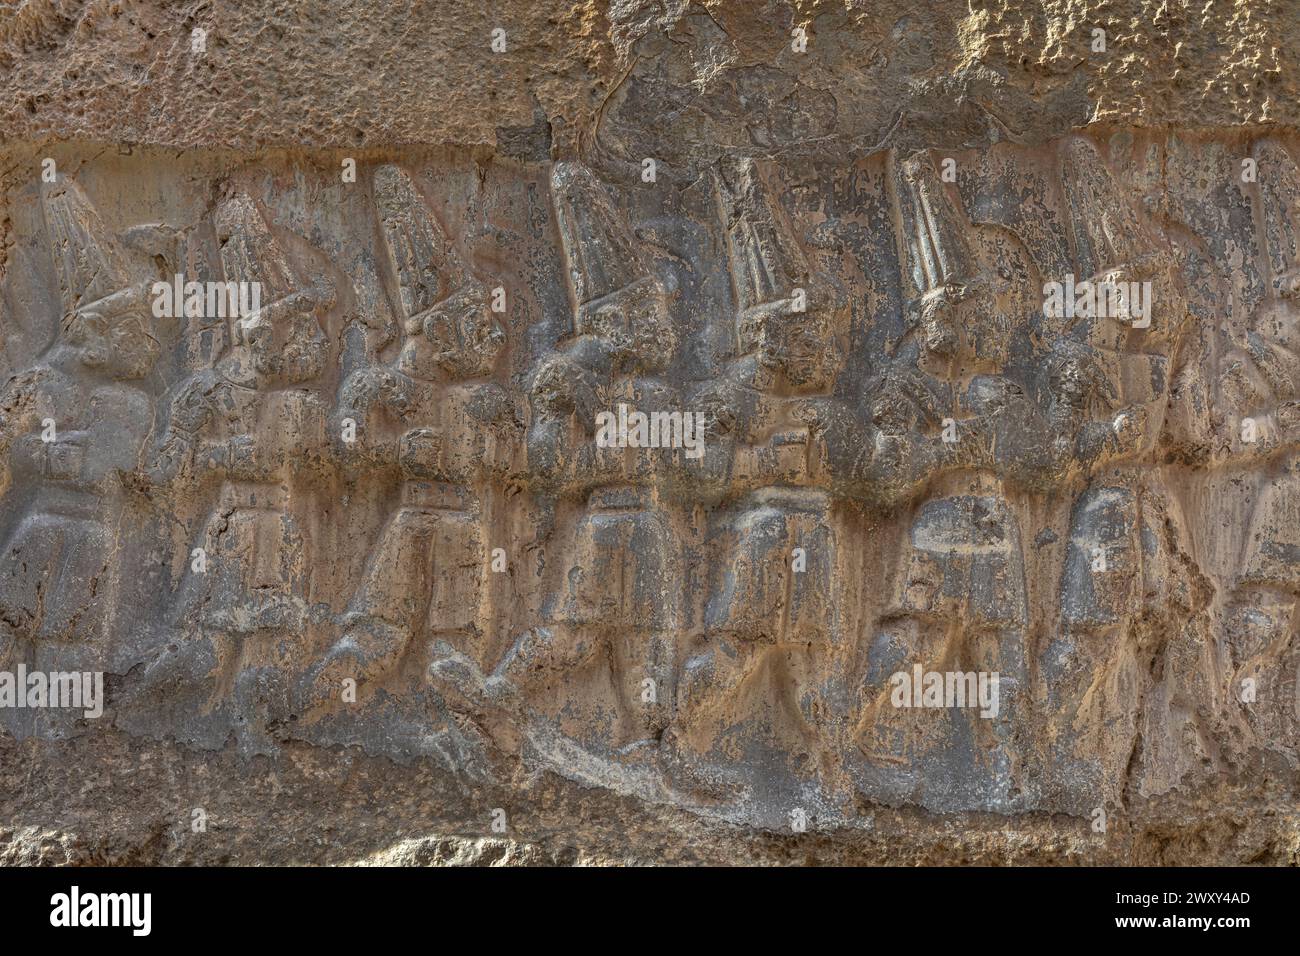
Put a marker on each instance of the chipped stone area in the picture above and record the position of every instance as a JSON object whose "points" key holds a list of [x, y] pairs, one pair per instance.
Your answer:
{"points": [[688, 77]]}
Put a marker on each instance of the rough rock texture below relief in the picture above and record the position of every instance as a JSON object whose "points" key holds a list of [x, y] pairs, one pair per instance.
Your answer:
{"points": [[312, 322]]}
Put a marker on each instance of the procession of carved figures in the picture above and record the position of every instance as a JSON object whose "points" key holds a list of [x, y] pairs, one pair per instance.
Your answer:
{"points": [[387, 476]]}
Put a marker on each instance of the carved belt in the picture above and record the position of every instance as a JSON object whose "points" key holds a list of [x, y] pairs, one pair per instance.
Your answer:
{"points": [[437, 495], [811, 500], [254, 494]]}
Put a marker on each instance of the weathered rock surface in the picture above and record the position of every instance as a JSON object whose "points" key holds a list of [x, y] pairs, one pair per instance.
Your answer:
{"points": [[369, 579]]}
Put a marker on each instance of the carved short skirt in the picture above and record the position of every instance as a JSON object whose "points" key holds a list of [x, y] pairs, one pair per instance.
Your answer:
{"points": [[56, 578], [425, 573], [256, 575], [621, 569], [773, 559]]}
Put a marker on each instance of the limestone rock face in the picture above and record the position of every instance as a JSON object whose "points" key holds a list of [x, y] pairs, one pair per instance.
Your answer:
{"points": [[813, 432]]}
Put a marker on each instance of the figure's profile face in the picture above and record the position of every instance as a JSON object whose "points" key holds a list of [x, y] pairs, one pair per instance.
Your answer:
{"points": [[810, 356], [1159, 306], [87, 332], [464, 334], [802, 347], [122, 347], [288, 351], [635, 322], [966, 321]]}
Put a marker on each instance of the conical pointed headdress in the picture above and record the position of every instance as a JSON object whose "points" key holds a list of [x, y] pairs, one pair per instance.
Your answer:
{"points": [[599, 247], [419, 254], [91, 264], [1279, 187], [1103, 220], [249, 251], [766, 263], [935, 230]]}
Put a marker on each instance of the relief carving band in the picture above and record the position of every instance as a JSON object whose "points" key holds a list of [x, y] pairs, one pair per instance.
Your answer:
{"points": [[767, 486]]}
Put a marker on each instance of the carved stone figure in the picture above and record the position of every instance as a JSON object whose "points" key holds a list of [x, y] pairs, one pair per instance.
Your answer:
{"points": [[959, 607], [253, 421], [1124, 590], [434, 416], [1258, 417], [610, 623], [958, 602], [771, 603]]}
